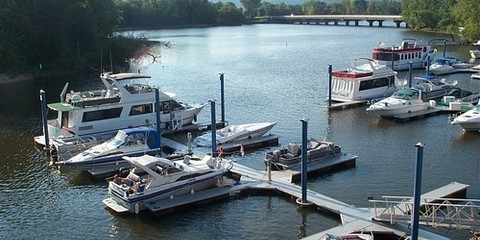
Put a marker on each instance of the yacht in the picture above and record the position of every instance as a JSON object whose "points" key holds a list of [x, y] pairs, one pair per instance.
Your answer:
{"points": [[399, 57], [402, 101], [153, 179], [470, 120], [127, 142], [475, 53], [234, 133], [447, 65], [126, 101], [432, 87], [366, 80]]}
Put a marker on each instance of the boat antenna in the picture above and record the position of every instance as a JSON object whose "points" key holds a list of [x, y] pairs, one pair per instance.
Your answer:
{"points": [[101, 60]]}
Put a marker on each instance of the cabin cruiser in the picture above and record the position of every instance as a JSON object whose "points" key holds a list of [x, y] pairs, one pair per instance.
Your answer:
{"points": [[366, 80], [127, 101], [153, 179], [127, 142], [400, 57], [290, 157], [234, 133], [475, 53], [446, 65], [402, 101], [432, 87], [470, 120]]}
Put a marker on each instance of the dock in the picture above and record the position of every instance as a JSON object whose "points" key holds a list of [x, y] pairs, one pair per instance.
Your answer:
{"points": [[352, 218], [347, 105]]}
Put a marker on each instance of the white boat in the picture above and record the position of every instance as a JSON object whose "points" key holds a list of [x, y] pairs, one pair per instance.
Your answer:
{"points": [[127, 142], [432, 87], [475, 53], [459, 99], [475, 76], [234, 133], [127, 101], [470, 120], [366, 80], [402, 101], [399, 57], [446, 65], [153, 179], [290, 156]]}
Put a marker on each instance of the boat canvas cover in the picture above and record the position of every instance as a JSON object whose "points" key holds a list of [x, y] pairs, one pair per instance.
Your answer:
{"points": [[62, 107], [151, 135], [122, 76]]}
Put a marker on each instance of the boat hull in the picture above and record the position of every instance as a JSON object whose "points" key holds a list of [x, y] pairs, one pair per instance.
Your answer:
{"points": [[136, 202], [469, 121], [390, 112], [250, 131]]}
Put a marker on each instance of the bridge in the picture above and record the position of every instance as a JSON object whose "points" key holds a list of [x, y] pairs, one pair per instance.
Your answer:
{"points": [[336, 19]]}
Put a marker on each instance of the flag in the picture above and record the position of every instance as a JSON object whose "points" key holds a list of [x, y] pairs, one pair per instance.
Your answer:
{"points": [[242, 150]]}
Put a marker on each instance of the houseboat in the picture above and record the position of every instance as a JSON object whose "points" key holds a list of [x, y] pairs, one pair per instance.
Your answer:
{"points": [[399, 57]]}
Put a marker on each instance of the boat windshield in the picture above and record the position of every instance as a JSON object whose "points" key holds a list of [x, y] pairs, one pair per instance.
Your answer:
{"points": [[406, 94]]}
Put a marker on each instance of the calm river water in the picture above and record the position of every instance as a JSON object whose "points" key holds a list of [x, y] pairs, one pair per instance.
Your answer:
{"points": [[272, 73]]}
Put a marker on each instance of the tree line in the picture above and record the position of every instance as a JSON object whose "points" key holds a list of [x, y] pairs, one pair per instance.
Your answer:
{"points": [[56, 36]]}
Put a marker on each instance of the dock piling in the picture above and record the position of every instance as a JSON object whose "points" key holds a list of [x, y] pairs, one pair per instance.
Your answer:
{"points": [[222, 95], [417, 190], [330, 85], [304, 170], [410, 67], [157, 115], [213, 128], [43, 102]]}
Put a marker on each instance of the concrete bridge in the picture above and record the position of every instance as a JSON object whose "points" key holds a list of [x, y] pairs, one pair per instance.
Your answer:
{"points": [[335, 19]]}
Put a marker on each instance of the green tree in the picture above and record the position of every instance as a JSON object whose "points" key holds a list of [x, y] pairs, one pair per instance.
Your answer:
{"points": [[467, 18], [313, 7], [250, 7]]}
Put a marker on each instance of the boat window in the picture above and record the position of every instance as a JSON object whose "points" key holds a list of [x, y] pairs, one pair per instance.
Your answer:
{"points": [[141, 109], [65, 119], [101, 114], [386, 56], [374, 83]]}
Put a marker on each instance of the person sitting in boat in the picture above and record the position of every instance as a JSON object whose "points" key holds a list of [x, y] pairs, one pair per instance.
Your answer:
{"points": [[119, 180]]}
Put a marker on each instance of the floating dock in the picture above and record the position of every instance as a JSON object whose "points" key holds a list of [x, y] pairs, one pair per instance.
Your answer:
{"points": [[347, 105], [352, 218]]}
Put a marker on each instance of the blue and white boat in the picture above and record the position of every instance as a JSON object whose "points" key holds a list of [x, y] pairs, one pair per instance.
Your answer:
{"points": [[234, 133], [153, 179], [127, 142], [446, 65]]}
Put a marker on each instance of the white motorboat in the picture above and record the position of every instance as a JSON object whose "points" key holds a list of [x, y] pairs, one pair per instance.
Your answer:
{"points": [[127, 142], [446, 65], [290, 157], [400, 57], [127, 101], [366, 80], [432, 87], [234, 133], [470, 120], [475, 76], [475, 53], [402, 101], [153, 179]]}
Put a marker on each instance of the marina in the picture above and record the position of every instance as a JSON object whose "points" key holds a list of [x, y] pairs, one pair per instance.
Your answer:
{"points": [[68, 200]]}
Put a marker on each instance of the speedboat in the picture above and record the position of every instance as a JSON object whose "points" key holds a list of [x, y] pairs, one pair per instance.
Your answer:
{"points": [[366, 80], [127, 142], [432, 87], [127, 101], [153, 179], [400, 57], [463, 100], [476, 52], [446, 65], [402, 101], [475, 76], [470, 120], [234, 133], [290, 157]]}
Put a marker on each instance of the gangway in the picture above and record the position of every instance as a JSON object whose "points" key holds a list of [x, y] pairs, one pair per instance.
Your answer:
{"points": [[435, 212]]}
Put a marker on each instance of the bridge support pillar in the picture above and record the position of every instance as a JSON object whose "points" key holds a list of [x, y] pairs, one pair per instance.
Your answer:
{"points": [[370, 23], [356, 22], [397, 23], [335, 23], [326, 22], [380, 23], [347, 23]]}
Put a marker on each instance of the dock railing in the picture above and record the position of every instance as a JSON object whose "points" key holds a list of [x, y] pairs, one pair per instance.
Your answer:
{"points": [[435, 212]]}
